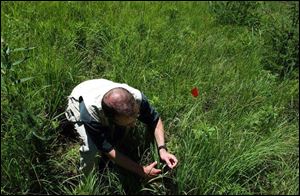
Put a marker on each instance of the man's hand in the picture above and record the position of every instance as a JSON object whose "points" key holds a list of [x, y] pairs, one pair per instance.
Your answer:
{"points": [[160, 141], [169, 158], [150, 171]]}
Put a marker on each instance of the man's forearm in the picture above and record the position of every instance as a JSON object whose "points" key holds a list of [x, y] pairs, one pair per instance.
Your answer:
{"points": [[125, 162], [159, 133]]}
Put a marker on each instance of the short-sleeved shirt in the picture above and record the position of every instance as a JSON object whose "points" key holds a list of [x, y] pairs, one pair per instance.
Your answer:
{"points": [[85, 105]]}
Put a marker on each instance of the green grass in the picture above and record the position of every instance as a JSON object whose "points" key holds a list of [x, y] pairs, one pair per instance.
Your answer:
{"points": [[240, 136]]}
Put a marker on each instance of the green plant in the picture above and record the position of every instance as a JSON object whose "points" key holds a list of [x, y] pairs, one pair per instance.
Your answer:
{"points": [[237, 12], [239, 136], [9, 73], [281, 54]]}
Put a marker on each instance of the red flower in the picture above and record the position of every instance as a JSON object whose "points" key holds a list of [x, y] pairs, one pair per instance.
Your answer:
{"points": [[195, 92]]}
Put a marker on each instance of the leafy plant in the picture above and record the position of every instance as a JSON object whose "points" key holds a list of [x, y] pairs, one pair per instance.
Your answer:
{"points": [[236, 12], [9, 75], [281, 54]]}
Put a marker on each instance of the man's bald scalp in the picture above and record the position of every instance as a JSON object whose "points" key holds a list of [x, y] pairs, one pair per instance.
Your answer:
{"points": [[118, 101]]}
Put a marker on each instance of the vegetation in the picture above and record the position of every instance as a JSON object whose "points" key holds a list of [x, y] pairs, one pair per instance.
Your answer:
{"points": [[239, 136]]}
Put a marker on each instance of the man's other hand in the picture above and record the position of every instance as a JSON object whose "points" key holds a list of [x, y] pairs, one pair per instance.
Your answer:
{"points": [[150, 171]]}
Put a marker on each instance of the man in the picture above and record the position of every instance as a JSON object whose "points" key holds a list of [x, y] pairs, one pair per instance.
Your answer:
{"points": [[101, 110]]}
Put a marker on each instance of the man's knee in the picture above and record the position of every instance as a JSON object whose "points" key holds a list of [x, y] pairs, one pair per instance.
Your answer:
{"points": [[89, 160]]}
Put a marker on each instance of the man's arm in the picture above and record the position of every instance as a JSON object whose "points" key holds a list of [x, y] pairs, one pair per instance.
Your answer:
{"points": [[125, 162], [159, 133], [150, 116], [169, 158]]}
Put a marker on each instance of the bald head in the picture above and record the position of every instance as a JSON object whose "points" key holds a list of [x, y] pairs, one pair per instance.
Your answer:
{"points": [[119, 102]]}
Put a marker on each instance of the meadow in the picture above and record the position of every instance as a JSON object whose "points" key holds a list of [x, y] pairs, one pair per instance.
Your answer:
{"points": [[239, 136]]}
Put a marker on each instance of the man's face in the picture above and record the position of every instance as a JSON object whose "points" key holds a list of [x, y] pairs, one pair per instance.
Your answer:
{"points": [[125, 121]]}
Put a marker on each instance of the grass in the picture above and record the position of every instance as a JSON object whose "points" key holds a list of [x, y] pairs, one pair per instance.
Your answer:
{"points": [[240, 136]]}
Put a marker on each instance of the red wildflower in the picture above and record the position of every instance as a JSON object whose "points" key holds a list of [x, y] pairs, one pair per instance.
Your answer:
{"points": [[195, 92]]}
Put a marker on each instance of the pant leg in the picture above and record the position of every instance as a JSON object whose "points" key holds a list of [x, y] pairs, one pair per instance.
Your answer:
{"points": [[89, 156], [88, 151]]}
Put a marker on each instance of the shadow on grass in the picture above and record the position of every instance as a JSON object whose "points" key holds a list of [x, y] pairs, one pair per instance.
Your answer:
{"points": [[136, 145]]}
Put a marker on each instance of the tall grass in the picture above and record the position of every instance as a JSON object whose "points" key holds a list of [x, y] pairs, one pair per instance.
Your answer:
{"points": [[239, 136]]}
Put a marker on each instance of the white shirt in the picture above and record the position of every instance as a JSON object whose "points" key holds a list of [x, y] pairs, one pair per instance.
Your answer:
{"points": [[92, 92]]}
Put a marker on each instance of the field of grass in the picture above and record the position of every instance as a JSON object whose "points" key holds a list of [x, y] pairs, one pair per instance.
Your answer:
{"points": [[239, 136]]}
